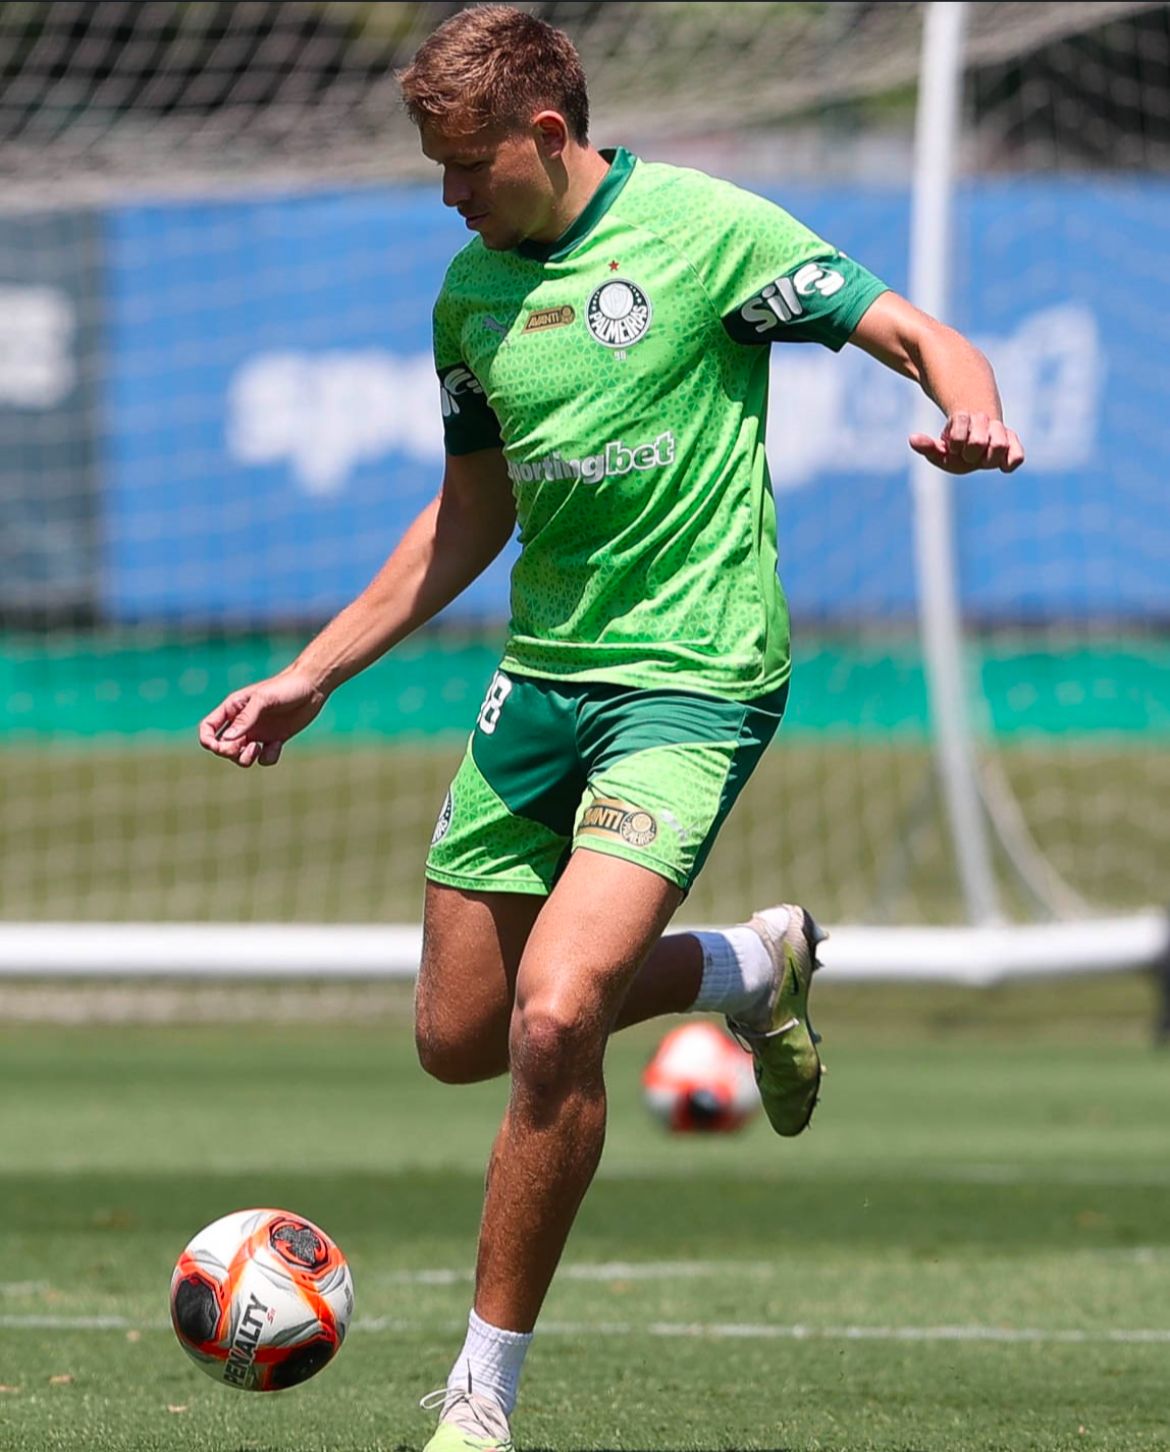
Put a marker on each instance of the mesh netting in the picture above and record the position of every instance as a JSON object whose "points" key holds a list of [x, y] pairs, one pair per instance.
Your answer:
{"points": [[119, 94]]}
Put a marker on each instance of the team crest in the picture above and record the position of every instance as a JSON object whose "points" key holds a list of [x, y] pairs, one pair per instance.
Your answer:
{"points": [[618, 313], [443, 824]]}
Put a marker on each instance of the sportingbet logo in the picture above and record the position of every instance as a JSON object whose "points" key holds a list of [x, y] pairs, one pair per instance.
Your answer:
{"points": [[614, 460], [780, 302]]}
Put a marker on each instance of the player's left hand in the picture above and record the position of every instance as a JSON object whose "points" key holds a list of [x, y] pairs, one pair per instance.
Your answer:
{"points": [[971, 441]]}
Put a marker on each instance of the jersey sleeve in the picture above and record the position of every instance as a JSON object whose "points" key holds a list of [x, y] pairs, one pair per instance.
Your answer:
{"points": [[468, 421], [773, 280]]}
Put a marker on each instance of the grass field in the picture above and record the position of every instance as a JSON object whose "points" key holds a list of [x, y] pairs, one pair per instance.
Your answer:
{"points": [[969, 1251]]}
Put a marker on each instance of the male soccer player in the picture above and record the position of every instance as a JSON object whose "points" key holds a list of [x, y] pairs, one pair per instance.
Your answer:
{"points": [[602, 350]]}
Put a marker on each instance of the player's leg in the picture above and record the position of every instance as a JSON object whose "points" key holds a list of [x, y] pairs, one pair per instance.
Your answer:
{"points": [[582, 951], [501, 834], [734, 971], [594, 958], [665, 773], [495, 858], [586, 946], [472, 945]]}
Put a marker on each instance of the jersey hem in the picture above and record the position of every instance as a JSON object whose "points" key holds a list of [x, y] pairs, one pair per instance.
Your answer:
{"points": [[639, 681]]}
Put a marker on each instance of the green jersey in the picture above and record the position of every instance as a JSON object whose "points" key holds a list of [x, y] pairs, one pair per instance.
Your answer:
{"points": [[623, 369]]}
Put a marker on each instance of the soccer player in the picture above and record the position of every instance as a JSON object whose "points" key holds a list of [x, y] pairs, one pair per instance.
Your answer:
{"points": [[602, 349]]}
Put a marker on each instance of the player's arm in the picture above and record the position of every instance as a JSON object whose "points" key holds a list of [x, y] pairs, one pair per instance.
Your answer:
{"points": [[447, 546], [951, 371]]}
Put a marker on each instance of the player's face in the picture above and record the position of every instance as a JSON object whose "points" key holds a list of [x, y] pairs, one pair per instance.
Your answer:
{"points": [[496, 181]]}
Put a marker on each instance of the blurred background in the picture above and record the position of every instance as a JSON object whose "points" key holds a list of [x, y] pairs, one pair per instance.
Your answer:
{"points": [[219, 247]]}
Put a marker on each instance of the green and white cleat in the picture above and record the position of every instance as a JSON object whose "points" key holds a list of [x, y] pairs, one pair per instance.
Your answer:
{"points": [[467, 1423], [788, 1067]]}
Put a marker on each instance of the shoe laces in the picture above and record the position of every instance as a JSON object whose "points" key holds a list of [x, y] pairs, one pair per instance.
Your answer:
{"points": [[477, 1415]]}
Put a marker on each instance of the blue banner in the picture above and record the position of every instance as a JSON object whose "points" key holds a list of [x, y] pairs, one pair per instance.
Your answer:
{"points": [[271, 418]]}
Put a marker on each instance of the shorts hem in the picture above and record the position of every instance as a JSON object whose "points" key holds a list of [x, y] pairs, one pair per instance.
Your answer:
{"points": [[472, 883], [680, 879]]}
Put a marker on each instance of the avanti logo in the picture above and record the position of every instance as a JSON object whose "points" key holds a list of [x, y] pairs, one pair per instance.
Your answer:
{"points": [[618, 818], [549, 318], [614, 460]]}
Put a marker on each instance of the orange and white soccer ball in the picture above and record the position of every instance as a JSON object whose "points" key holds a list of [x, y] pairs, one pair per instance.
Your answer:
{"points": [[700, 1080], [261, 1300]]}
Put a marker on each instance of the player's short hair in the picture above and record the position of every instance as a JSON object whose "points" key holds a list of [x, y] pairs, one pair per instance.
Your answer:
{"points": [[492, 66]]}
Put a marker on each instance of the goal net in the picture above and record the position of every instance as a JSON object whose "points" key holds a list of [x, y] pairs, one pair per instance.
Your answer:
{"points": [[218, 251]]}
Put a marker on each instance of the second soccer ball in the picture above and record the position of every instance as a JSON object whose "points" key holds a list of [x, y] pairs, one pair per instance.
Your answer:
{"points": [[700, 1080]]}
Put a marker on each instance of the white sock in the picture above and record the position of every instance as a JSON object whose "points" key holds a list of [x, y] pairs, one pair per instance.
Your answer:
{"points": [[490, 1362], [738, 972]]}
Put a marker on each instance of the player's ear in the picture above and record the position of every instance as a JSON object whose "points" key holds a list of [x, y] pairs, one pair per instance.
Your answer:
{"points": [[552, 134]]}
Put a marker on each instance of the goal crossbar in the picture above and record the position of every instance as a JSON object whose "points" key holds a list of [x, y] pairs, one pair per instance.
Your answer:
{"points": [[972, 956]]}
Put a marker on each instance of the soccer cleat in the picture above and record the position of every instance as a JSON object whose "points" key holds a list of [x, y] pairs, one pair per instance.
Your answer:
{"points": [[468, 1422], [787, 1065]]}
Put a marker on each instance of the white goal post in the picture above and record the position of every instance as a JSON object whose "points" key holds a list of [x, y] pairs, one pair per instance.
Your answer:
{"points": [[976, 957]]}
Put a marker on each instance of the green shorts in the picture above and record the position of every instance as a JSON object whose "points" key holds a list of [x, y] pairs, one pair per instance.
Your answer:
{"points": [[553, 765]]}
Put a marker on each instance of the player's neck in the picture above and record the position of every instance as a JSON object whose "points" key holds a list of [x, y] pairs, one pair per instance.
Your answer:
{"points": [[585, 169]]}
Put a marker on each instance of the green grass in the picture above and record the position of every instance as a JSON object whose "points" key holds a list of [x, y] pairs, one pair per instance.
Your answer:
{"points": [[997, 1161]]}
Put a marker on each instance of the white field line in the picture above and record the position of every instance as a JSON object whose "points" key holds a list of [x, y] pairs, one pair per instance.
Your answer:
{"points": [[597, 1271], [1008, 1175], [711, 1331], [613, 1270]]}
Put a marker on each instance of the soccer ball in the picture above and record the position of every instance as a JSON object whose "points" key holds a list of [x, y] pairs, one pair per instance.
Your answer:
{"points": [[700, 1080], [261, 1300]]}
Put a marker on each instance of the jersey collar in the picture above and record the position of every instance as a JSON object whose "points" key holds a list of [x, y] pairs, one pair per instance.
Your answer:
{"points": [[621, 166]]}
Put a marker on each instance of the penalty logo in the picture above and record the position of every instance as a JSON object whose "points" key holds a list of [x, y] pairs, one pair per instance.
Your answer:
{"points": [[618, 313]]}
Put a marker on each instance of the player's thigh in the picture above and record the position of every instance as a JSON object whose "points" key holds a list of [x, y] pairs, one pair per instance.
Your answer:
{"points": [[584, 949], [502, 832], [472, 946]]}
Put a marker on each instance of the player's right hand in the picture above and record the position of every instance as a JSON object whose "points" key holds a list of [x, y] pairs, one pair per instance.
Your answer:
{"points": [[253, 724]]}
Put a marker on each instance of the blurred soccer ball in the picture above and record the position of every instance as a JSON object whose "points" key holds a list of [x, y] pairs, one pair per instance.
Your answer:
{"points": [[261, 1300], [700, 1080]]}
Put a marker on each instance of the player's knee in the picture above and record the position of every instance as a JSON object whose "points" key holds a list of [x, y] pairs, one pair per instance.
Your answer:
{"points": [[457, 1056], [439, 1056], [553, 1049]]}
